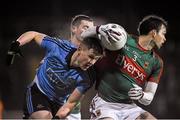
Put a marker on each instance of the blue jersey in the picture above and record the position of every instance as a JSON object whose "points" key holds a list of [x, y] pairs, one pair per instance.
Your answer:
{"points": [[55, 77]]}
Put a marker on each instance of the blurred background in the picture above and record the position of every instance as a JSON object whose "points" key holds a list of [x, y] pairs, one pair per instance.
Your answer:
{"points": [[53, 17]]}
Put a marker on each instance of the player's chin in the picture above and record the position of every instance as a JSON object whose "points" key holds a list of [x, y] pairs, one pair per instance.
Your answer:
{"points": [[85, 67], [159, 46]]}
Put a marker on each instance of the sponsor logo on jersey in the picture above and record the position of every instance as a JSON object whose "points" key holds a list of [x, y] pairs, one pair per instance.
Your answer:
{"points": [[131, 68], [66, 85]]}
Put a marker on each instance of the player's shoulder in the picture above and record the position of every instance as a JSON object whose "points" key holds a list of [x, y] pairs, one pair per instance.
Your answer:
{"points": [[62, 43], [132, 39], [56, 40]]}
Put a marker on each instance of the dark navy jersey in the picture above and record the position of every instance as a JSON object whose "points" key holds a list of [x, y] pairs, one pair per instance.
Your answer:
{"points": [[55, 77]]}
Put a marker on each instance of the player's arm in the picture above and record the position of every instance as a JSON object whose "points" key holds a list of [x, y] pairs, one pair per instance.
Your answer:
{"points": [[73, 99], [14, 48], [148, 93], [152, 84], [144, 97], [29, 36]]}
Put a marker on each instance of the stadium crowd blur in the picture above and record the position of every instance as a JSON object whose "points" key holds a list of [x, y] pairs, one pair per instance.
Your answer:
{"points": [[53, 18]]}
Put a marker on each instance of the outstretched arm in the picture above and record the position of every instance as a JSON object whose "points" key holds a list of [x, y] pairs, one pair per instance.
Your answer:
{"points": [[14, 48], [73, 99], [29, 36]]}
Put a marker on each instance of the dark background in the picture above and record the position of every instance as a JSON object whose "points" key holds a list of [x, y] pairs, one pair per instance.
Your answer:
{"points": [[53, 18]]}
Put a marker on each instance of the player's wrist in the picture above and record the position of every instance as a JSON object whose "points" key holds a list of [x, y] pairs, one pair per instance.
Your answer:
{"points": [[15, 44], [146, 98], [18, 43]]}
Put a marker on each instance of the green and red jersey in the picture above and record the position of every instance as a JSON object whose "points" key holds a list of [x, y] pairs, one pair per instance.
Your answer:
{"points": [[119, 70]]}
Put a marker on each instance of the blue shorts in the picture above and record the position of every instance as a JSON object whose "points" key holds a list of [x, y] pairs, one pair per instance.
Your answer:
{"points": [[35, 100]]}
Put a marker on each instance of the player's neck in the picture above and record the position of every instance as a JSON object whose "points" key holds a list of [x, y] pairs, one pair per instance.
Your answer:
{"points": [[74, 59], [75, 41], [146, 42]]}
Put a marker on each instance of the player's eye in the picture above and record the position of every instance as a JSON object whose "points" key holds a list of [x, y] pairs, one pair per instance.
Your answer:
{"points": [[85, 27]]}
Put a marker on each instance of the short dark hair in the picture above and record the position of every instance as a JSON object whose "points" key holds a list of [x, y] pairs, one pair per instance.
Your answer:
{"points": [[76, 20], [149, 23], [94, 43]]}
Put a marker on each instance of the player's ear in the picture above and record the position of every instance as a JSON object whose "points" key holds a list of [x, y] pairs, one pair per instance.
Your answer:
{"points": [[153, 33], [79, 48], [73, 28]]}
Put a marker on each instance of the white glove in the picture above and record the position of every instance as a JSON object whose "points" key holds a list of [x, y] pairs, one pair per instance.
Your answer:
{"points": [[109, 32], [112, 36], [135, 93]]}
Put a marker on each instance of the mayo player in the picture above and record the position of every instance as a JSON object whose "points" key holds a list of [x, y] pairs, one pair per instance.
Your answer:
{"points": [[129, 74]]}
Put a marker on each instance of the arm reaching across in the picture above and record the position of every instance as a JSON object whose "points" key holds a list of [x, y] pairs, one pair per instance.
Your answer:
{"points": [[73, 99]]}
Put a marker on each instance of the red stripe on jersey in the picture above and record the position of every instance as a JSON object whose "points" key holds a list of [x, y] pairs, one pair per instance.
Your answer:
{"points": [[135, 71], [154, 78]]}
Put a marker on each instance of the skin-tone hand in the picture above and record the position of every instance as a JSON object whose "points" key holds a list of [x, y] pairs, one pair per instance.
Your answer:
{"points": [[63, 112], [73, 99]]}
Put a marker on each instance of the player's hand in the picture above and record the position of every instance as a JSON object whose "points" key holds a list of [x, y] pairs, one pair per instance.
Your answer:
{"points": [[13, 50], [63, 112], [109, 32], [135, 93]]}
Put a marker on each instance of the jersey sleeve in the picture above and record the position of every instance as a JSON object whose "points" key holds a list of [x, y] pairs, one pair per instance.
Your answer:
{"points": [[157, 71], [88, 81], [83, 87], [48, 43]]}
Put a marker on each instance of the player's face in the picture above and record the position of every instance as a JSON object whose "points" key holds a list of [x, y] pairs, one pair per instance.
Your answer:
{"points": [[87, 58], [160, 38], [82, 27]]}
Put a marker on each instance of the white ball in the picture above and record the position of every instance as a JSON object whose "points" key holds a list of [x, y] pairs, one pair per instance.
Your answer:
{"points": [[116, 38]]}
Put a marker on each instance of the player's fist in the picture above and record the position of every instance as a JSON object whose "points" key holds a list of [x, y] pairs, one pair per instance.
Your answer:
{"points": [[110, 32], [135, 93], [113, 36], [13, 50], [63, 112], [104, 31]]}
